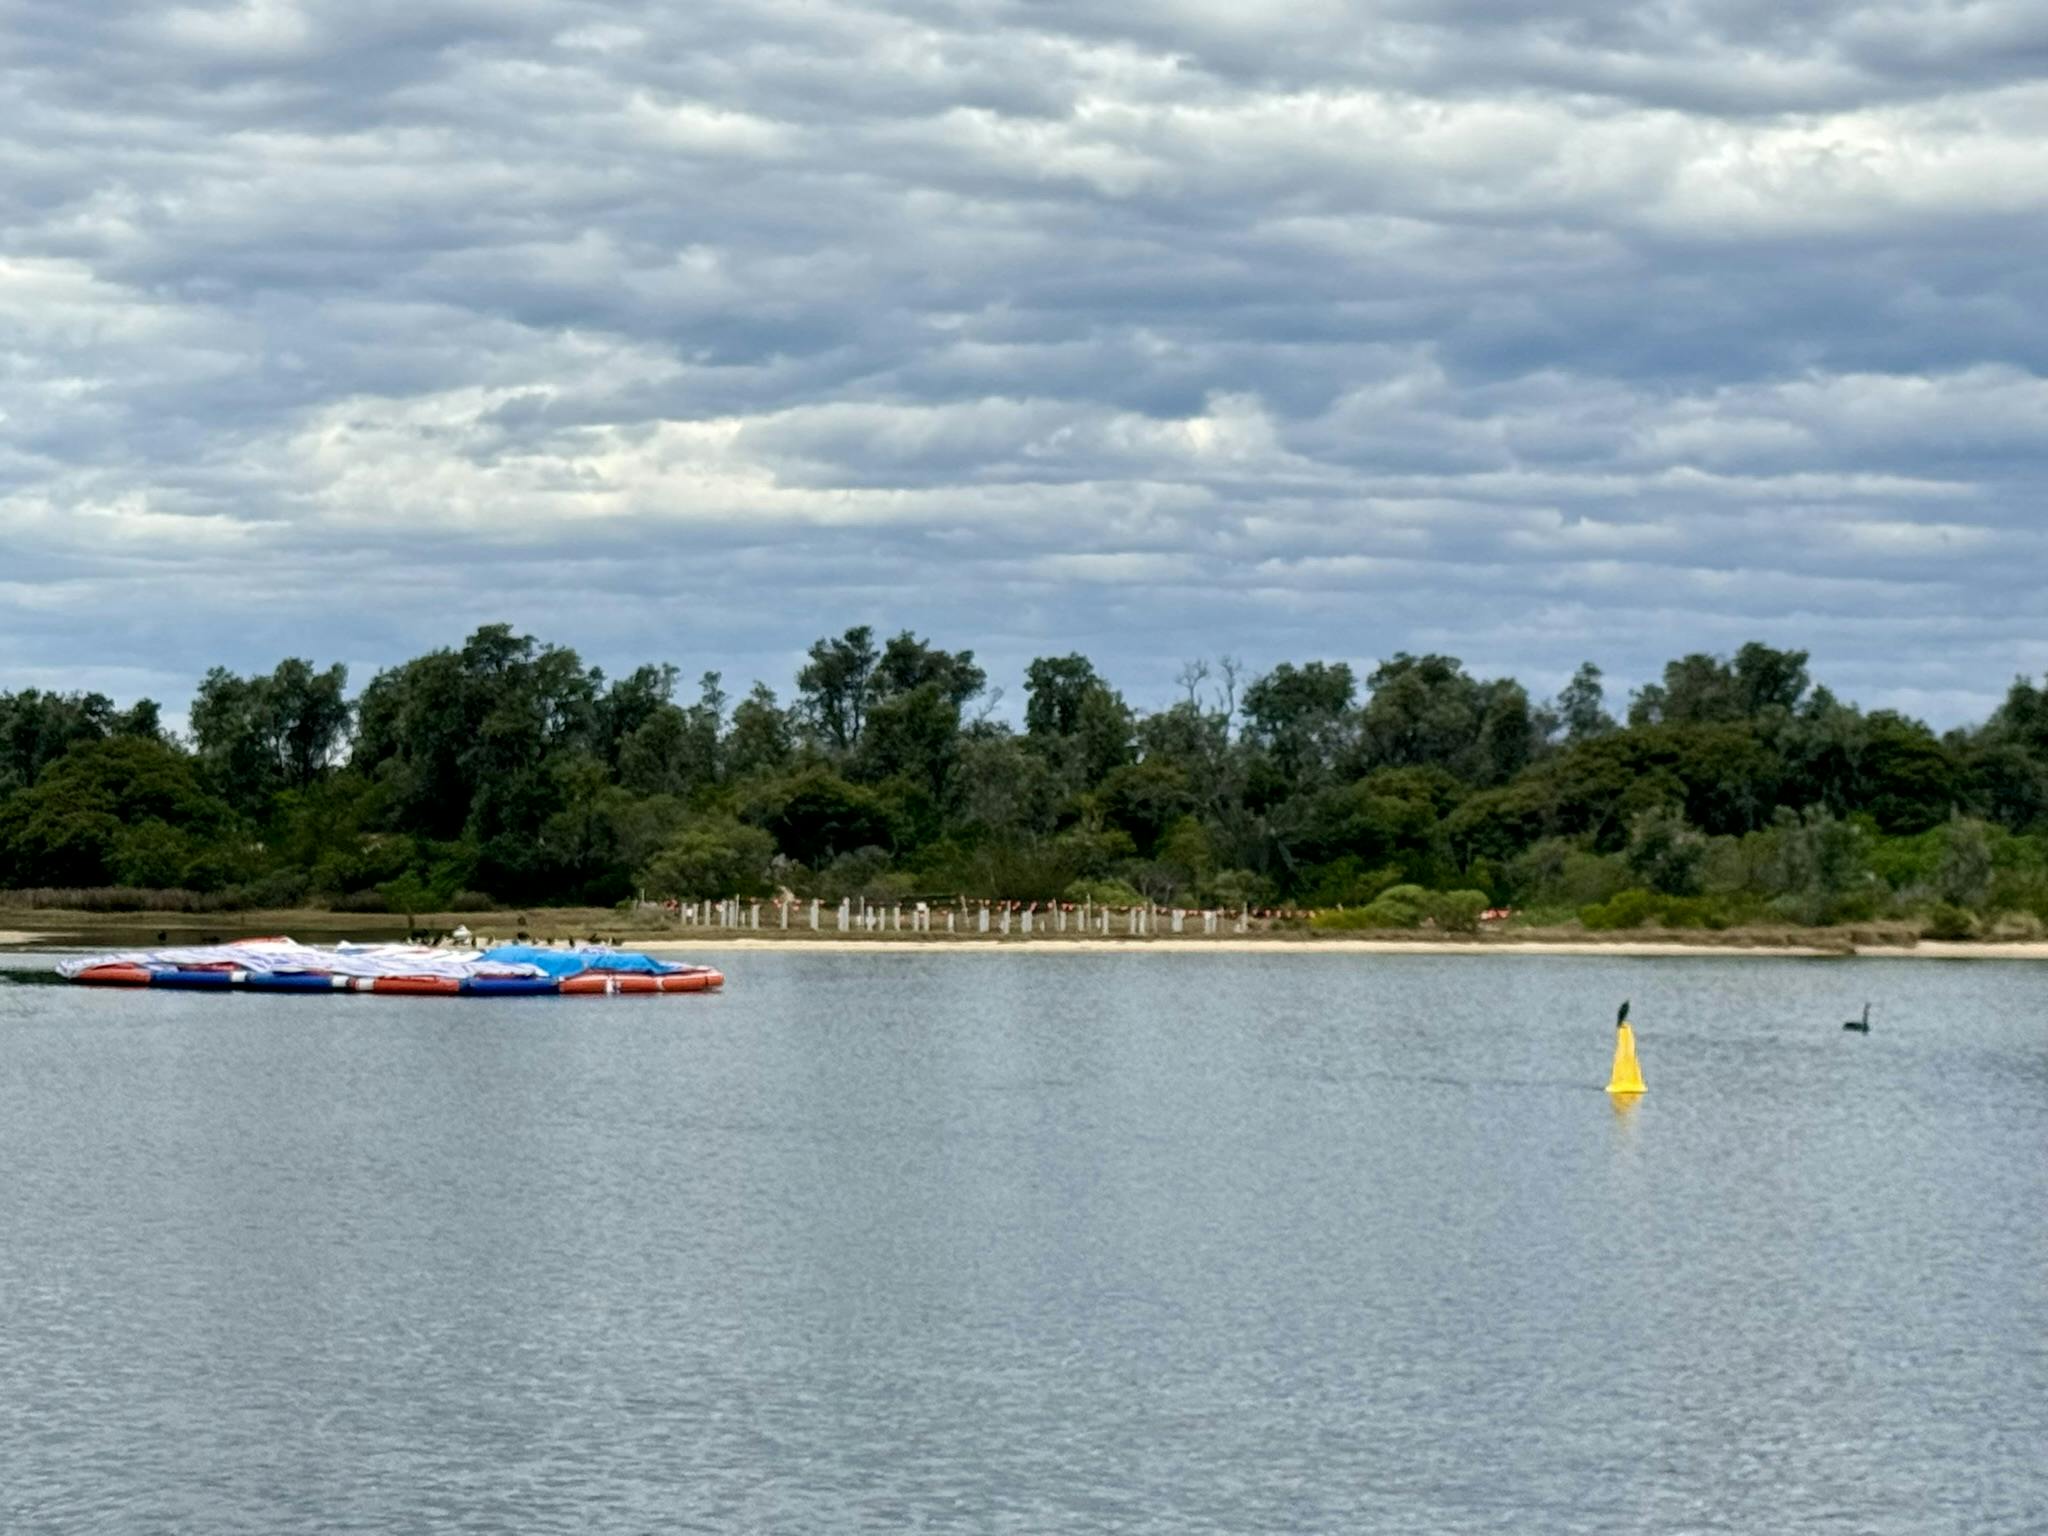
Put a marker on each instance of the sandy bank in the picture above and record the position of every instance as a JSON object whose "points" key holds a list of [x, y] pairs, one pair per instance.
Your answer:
{"points": [[1638, 949]]}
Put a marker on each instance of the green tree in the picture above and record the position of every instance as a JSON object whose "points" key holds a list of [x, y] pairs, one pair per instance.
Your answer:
{"points": [[711, 859], [1582, 705], [629, 704], [1818, 863], [815, 816], [1665, 854], [261, 734], [1076, 720], [1963, 877], [1301, 717], [110, 810], [833, 687], [37, 728], [1705, 690], [762, 739], [462, 740], [677, 751], [1427, 711]]}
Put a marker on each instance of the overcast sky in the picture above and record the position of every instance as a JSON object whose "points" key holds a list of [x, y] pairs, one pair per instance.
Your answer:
{"points": [[1153, 329]]}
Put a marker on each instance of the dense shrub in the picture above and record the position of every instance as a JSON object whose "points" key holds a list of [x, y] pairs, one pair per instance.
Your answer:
{"points": [[1627, 909], [280, 888], [1408, 907], [117, 898], [1948, 922], [1642, 909], [1103, 893]]}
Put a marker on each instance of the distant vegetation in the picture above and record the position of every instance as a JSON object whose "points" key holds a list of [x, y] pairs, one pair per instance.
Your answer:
{"points": [[1734, 791]]}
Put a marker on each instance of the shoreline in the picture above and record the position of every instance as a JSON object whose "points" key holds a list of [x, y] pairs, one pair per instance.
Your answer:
{"points": [[1642, 949], [91, 930], [672, 943]]}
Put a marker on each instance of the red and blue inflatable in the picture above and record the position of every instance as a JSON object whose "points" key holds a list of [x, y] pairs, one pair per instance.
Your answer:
{"points": [[505, 970]]}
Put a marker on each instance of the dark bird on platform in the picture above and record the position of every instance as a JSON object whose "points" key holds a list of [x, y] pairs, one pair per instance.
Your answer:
{"points": [[1621, 1018], [1862, 1025]]}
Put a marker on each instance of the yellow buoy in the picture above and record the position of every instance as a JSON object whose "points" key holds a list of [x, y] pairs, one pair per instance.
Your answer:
{"points": [[1627, 1077]]}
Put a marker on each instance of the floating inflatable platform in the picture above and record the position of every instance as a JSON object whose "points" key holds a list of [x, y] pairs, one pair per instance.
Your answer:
{"points": [[508, 970]]}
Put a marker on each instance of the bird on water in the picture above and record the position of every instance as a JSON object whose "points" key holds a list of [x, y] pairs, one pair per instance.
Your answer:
{"points": [[1862, 1025]]}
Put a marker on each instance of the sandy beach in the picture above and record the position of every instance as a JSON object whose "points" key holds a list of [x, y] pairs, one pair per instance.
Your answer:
{"points": [[1632, 948]]}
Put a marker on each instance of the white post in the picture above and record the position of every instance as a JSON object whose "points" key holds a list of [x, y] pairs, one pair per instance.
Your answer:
{"points": [[1006, 917], [1027, 921], [949, 919], [845, 912], [814, 914], [984, 918]]}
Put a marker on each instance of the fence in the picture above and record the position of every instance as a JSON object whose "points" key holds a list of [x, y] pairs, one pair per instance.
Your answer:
{"points": [[974, 919]]}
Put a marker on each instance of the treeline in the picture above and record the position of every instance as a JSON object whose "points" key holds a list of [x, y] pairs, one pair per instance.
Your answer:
{"points": [[507, 771]]}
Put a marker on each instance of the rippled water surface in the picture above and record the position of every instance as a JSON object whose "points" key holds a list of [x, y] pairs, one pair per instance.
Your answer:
{"points": [[1034, 1242]]}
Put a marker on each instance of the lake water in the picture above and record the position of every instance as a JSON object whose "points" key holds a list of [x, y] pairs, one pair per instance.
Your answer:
{"points": [[1035, 1242]]}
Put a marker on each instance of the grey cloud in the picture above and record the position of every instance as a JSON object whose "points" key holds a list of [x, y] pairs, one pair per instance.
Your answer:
{"points": [[691, 332]]}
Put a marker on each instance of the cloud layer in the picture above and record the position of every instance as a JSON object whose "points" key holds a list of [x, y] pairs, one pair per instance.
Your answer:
{"points": [[1155, 330]]}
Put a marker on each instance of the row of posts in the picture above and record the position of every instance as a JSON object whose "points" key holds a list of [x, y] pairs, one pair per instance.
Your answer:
{"points": [[859, 916]]}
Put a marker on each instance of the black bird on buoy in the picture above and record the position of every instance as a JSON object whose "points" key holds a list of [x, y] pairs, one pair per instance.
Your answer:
{"points": [[1862, 1025], [1621, 1018]]}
